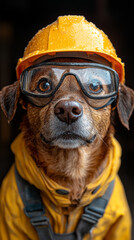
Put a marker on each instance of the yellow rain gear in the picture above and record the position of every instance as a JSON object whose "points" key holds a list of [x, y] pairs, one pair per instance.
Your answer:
{"points": [[15, 225]]}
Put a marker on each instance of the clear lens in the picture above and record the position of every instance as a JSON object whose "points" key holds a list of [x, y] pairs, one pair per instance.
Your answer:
{"points": [[41, 82], [96, 81]]}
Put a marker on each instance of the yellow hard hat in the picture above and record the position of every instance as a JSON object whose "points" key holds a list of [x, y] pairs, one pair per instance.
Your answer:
{"points": [[70, 34]]}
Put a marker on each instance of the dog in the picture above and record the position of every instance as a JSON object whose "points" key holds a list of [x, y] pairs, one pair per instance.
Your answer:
{"points": [[70, 141]]}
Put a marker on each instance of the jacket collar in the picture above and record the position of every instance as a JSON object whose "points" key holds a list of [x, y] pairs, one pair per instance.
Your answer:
{"points": [[36, 176]]}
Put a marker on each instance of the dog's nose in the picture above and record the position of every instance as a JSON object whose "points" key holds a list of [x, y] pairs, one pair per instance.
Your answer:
{"points": [[68, 111]]}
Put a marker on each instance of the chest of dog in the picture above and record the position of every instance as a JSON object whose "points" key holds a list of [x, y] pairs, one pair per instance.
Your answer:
{"points": [[63, 217]]}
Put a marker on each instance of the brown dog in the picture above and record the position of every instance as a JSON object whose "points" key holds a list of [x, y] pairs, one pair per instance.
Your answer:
{"points": [[68, 138]]}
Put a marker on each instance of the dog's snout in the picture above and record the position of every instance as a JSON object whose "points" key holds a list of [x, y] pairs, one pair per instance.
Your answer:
{"points": [[68, 111]]}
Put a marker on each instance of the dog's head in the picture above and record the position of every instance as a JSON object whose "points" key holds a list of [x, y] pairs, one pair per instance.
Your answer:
{"points": [[69, 118]]}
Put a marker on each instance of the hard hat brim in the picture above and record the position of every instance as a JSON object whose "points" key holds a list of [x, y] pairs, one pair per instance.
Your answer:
{"points": [[27, 61]]}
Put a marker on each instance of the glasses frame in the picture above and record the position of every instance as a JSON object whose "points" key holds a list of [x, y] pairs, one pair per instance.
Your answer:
{"points": [[113, 95]]}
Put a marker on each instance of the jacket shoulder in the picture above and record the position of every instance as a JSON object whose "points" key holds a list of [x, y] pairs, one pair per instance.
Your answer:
{"points": [[116, 222], [118, 202], [9, 195], [14, 223]]}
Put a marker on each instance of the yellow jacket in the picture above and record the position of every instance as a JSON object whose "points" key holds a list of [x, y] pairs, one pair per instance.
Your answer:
{"points": [[14, 224]]}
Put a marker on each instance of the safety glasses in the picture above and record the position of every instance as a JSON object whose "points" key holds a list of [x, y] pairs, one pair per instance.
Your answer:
{"points": [[98, 83]]}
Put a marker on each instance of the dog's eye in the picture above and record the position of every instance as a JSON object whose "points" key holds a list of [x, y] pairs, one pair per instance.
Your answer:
{"points": [[44, 85], [95, 86]]}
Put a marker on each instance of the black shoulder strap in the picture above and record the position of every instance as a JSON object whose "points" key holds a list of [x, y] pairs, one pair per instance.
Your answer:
{"points": [[93, 212], [35, 211], [33, 207]]}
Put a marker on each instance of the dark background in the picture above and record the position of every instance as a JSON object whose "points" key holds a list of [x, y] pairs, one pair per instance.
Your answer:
{"points": [[21, 19]]}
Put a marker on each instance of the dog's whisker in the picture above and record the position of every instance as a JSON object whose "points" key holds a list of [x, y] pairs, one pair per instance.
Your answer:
{"points": [[98, 134]]}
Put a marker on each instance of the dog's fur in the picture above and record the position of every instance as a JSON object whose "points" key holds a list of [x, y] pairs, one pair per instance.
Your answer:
{"points": [[71, 163]]}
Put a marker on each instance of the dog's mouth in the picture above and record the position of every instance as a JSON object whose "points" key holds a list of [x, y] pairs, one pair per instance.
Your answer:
{"points": [[68, 136]]}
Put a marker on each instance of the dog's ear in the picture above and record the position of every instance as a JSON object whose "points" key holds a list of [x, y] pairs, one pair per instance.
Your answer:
{"points": [[125, 105], [9, 96]]}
